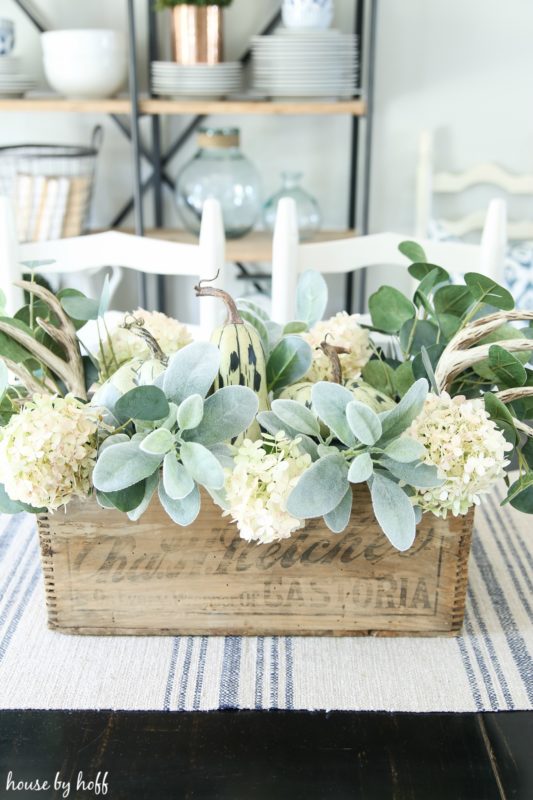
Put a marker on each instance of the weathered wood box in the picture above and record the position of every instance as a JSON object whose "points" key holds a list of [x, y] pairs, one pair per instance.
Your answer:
{"points": [[106, 575]]}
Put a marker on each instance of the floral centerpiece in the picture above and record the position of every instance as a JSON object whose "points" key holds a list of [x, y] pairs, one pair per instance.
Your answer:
{"points": [[426, 404]]}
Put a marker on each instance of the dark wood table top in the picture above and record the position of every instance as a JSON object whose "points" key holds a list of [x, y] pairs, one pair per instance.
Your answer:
{"points": [[272, 755]]}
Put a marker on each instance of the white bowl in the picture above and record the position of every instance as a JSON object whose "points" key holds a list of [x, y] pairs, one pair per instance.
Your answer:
{"points": [[81, 76], [88, 42]]}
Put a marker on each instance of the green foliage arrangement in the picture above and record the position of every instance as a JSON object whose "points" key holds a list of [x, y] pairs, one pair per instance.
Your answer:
{"points": [[428, 405]]}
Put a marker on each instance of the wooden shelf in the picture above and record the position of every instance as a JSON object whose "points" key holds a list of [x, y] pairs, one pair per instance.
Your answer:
{"points": [[280, 108], [256, 246], [113, 105], [155, 106]]}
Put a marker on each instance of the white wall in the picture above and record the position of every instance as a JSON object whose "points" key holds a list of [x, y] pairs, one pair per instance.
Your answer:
{"points": [[462, 68]]}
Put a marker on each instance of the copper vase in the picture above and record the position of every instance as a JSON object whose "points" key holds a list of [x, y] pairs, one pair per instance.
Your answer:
{"points": [[197, 34]]}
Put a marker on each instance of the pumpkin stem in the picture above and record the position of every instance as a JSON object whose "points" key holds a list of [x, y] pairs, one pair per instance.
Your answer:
{"points": [[234, 318], [135, 326], [332, 352]]}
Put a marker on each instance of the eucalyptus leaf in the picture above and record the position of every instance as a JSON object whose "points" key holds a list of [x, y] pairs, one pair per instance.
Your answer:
{"points": [[202, 465], [417, 333], [361, 468], [390, 309], [320, 489], [425, 362], [500, 414], [421, 271], [190, 412], [404, 377], [147, 403], [396, 421], [364, 423], [158, 442], [183, 512], [150, 485], [509, 371], [296, 416], [4, 380], [394, 512], [191, 370], [521, 494], [338, 519], [329, 402], [416, 473], [126, 499], [381, 376], [289, 361], [405, 450], [7, 505], [123, 465], [227, 413], [311, 297], [453, 300], [485, 290], [176, 480], [412, 250], [82, 308]]}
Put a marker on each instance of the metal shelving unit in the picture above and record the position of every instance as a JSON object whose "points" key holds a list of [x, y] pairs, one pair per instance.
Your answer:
{"points": [[135, 106]]}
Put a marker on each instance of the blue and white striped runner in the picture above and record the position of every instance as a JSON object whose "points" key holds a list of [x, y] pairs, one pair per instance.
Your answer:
{"points": [[489, 668]]}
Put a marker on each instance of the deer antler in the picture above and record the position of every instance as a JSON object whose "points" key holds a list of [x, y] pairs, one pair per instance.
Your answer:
{"points": [[69, 371], [459, 353]]}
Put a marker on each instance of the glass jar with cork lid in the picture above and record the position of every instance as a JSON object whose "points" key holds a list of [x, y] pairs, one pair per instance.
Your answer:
{"points": [[220, 170]]}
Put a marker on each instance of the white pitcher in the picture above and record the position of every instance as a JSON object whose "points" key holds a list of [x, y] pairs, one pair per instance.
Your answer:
{"points": [[307, 13]]}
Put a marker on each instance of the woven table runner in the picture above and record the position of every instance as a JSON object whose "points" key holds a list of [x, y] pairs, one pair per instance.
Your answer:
{"points": [[488, 668]]}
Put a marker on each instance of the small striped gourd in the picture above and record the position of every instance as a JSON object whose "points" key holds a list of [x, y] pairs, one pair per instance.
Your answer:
{"points": [[242, 358]]}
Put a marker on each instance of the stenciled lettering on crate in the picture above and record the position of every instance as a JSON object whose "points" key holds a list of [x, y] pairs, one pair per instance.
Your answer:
{"points": [[105, 575]]}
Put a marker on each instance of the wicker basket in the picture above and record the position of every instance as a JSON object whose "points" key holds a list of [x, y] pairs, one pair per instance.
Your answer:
{"points": [[50, 186], [106, 575]]}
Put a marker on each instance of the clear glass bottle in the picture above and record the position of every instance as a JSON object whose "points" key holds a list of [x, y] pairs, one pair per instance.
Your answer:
{"points": [[220, 170], [309, 217]]}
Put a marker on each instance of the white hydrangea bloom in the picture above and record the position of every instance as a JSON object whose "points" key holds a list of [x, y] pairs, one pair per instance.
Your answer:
{"points": [[170, 335], [466, 446], [48, 452], [265, 473], [344, 331]]}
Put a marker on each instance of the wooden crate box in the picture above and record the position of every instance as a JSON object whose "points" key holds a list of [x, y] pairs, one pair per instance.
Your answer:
{"points": [[106, 575]]}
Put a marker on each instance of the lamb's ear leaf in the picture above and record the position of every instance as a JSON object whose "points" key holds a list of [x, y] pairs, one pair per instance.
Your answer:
{"points": [[176, 480], [364, 422], [150, 485], [183, 512], [202, 465], [191, 370], [422, 476], [227, 413], [123, 465], [158, 442], [338, 519], [329, 402], [405, 450], [361, 469], [320, 488], [395, 422], [394, 512], [311, 297], [296, 416]]}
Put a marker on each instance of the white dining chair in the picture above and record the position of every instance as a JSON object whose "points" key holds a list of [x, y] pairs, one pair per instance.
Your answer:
{"points": [[76, 255], [431, 184], [289, 257]]}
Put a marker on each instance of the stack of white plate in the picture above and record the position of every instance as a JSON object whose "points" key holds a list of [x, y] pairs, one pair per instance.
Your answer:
{"points": [[198, 80], [305, 63], [12, 82]]}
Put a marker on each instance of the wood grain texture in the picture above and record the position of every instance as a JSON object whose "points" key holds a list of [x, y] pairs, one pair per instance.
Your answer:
{"points": [[106, 575], [257, 755]]}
